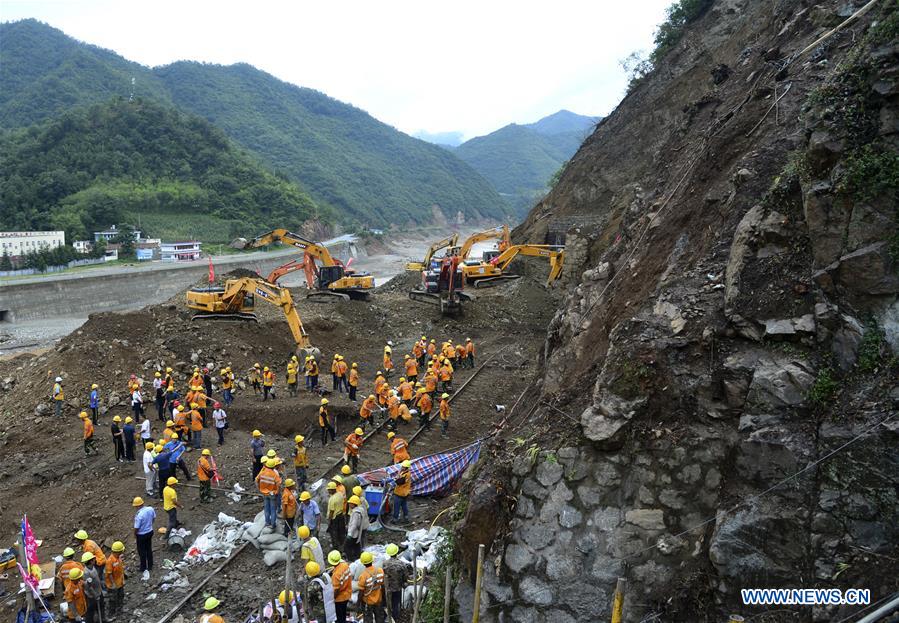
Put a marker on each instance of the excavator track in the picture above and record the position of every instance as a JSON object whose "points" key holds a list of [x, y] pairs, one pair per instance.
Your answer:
{"points": [[489, 282], [326, 296], [236, 316]]}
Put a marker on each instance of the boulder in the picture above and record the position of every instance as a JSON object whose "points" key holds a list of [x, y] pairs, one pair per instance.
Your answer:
{"points": [[646, 518], [868, 271], [846, 341], [535, 591], [604, 420], [549, 472], [42, 409], [779, 382]]}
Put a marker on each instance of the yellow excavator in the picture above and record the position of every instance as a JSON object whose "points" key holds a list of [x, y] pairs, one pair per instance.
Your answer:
{"points": [[330, 281], [491, 270], [499, 233], [449, 241], [236, 301]]}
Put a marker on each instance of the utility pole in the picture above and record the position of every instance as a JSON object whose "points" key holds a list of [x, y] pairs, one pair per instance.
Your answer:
{"points": [[476, 614]]}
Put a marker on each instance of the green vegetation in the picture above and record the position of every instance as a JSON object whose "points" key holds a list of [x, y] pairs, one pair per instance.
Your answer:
{"points": [[432, 606], [871, 350], [123, 161], [824, 389], [631, 380], [367, 172], [522, 160], [678, 16], [871, 171]]}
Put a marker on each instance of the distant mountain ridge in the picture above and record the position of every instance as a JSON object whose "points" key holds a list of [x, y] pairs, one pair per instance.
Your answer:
{"points": [[519, 160], [365, 171]]}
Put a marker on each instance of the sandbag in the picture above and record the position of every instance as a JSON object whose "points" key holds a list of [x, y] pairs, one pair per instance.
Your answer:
{"points": [[274, 557], [271, 538]]}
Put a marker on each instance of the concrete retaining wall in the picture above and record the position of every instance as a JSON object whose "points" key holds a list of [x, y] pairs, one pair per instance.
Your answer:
{"points": [[81, 294]]}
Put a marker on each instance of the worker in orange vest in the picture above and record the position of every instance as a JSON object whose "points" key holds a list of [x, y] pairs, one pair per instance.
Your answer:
{"points": [[402, 491], [469, 352], [411, 366], [371, 589], [366, 410], [342, 581], [352, 445], [68, 563], [342, 369], [424, 405], [387, 361], [446, 375], [74, 593], [444, 413], [269, 482], [399, 448], [418, 351], [114, 578], [205, 474], [353, 381], [393, 410], [89, 446], [289, 505], [196, 426], [268, 383]]}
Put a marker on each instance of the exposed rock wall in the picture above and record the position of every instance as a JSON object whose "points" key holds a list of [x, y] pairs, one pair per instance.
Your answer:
{"points": [[730, 319]]}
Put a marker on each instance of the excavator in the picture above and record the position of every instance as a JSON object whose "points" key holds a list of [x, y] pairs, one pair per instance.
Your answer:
{"points": [[443, 286], [491, 270], [449, 241], [236, 301], [498, 233], [331, 281]]}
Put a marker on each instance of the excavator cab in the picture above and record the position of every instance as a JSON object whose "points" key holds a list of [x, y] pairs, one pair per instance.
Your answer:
{"points": [[329, 274]]}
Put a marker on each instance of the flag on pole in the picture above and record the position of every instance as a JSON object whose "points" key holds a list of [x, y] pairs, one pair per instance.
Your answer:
{"points": [[211, 270], [28, 542]]}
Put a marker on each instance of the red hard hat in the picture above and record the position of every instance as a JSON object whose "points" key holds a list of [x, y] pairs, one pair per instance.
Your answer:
{"points": [[177, 403], [217, 405], [205, 369]]}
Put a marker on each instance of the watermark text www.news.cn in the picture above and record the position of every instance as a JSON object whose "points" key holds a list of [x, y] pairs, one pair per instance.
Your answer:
{"points": [[805, 597]]}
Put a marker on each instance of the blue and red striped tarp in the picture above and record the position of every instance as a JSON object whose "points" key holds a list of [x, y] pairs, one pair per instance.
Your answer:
{"points": [[434, 474]]}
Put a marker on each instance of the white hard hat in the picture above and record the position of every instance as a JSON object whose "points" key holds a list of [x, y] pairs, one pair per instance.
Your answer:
{"points": [[59, 379]]}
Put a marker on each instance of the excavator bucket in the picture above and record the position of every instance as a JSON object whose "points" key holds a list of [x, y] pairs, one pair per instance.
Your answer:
{"points": [[239, 243]]}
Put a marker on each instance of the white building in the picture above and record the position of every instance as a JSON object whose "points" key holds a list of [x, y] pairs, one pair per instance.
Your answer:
{"points": [[112, 232], [185, 251], [18, 243], [83, 246]]}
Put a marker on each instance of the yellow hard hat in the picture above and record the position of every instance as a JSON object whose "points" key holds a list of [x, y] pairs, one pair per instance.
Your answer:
{"points": [[285, 597], [333, 557], [138, 501], [303, 532], [211, 603], [407, 463], [180, 407], [294, 358], [353, 500], [299, 439], [445, 395], [255, 365], [357, 490], [148, 446], [206, 452], [324, 401], [256, 433], [305, 495], [118, 546], [171, 481], [359, 431], [366, 558], [87, 557], [170, 423], [424, 337], [194, 405], [392, 550], [391, 435], [313, 569], [271, 463], [158, 448], [265, 369], [345, 470], [76, 573], [371, 396], [81, 535], [94, 386], [332, 485], [354, 365], [68, 552], [128, 420], [175, 436], [271, 454], [289, 482], [433, 341], [117, 419], [83, 415]]}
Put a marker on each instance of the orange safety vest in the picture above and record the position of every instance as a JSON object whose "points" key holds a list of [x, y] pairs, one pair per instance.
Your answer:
{"points": [[430, 382], [444, 410], [372, 583], [204, 469], [411, 367], [289, 504], [342, 581], [399, 449], [88, 428], [93, 548], [388, 362], [406, 390], [432, 348], [196, 420], [425, 404], [354, 377], [322, 417], [167, 434], [353, 443], [300, 459], [333, 366], [268, 378], [403, 489], [341, 368], [62, 574], [460, 351], [393, 406], [114, 575], [74, 594], [367, 407], [269, 481]]}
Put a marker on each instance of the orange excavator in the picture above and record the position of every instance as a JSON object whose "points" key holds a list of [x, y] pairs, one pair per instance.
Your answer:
{"points": [[492, 269], [330, 281], [499, 233]]}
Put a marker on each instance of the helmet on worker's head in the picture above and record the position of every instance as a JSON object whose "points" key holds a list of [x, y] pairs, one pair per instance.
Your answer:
{"points": [[407, 463], [174, 436], [402, 379], [355, 365], [83, 415], [265, 369], [169, 423], [366, 558], [371, 396], [285, 597], [333, 557], [149, 445], [303, 532], [359, 431], [81, 535], [168, 369], [216, 404], [433, 341], [391, 435], [171, 481], [94, 386], [345, 470], [117, 418], [158, 448], [324, 401], [271, 454], [338, 479], [357, 491], [271, 463], [194, 405], [353, 500], [294, 358], [87, 557], [128, 420], [468, 339], [68, 552], [138, 501], [299, 439], [379, 373], [206, 452], [256, 433], [223, 371], [76, 573], [255, 365], [180, 408], [392, 550], [59, 379], [313, 569], [305, 496], [211, 603], [444, 395], [289, 483], [332, 486], [118, 546]]}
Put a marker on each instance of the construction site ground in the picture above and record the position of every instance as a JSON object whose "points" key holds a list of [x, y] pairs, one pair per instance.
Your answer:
{"points": [[45, 474]]}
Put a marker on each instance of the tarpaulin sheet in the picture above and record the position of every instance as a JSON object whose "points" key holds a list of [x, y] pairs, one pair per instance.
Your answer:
{"points": [[431, 475]]}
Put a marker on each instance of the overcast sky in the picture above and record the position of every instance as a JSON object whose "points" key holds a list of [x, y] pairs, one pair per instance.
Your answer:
{"points": [[460, 65]]}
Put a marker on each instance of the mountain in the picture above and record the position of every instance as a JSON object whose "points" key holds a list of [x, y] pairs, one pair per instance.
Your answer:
{"points": [[365, 170], [342, 155], [520, 160], [444, 139], [139, 162]]}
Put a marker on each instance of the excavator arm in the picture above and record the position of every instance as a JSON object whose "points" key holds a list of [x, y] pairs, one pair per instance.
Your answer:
{"points": [[284, 236], [499, 233], [449, 241], [488, 273]]}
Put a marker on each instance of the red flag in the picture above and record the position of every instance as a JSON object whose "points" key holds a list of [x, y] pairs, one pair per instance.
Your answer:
{"points": [[29, 542], [211, 270]]}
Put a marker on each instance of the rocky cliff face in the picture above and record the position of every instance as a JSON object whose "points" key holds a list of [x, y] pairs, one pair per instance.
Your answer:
{"points": [[730, 323]]}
